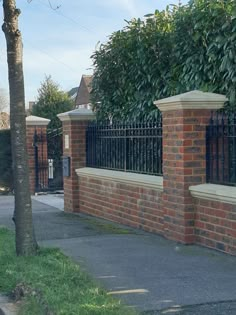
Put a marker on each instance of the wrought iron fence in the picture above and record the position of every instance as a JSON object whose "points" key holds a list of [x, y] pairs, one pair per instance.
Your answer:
{"points": [[129, 147], [221, 149], [48, 160], [55, 152], [40, 160]]}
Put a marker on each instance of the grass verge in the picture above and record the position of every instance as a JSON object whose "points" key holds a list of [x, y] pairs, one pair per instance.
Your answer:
{"points": [[57, 285]]}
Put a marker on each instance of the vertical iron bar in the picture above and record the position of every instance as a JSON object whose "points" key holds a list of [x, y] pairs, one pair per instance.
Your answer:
{"points": [[234, 150], [161, 145], [120, 141], [223, 148], [43, 170], [212, 147], [217, 147], [36, 160], [209, 151], [125, 153], [229, 147]]}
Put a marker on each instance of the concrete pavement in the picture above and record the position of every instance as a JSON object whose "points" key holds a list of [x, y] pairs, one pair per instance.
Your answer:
{"points": [[143, 270]]}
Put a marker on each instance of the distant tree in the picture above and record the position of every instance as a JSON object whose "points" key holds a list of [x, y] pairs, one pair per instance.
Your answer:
{"points": [[51, 101]]}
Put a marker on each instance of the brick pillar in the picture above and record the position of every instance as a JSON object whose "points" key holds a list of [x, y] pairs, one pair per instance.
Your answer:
{"points": [[39, 124], [185, 118], [74, 146]]}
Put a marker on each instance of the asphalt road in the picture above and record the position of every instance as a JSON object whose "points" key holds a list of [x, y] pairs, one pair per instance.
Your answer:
{"points": [[145, 271]]}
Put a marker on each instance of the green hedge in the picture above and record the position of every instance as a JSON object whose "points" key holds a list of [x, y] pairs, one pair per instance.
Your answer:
{"points": [[6, 174], [174, 51]]}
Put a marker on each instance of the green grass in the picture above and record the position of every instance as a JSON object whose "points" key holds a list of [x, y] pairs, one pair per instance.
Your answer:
{"points": [[58, 282]]}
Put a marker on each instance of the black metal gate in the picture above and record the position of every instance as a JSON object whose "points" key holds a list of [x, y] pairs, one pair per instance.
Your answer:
{"points": [[48, 150], [55, 152]]}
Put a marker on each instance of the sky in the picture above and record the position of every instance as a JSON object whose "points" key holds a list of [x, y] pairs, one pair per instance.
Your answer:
{"points": [[59, 42]]}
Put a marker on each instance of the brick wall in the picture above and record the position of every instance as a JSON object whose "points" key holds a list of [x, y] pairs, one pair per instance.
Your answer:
{"points": [[127, 204], [215, 225], [184, 164], [175, 213], [30, 149], [76, 150], [74, 130]]}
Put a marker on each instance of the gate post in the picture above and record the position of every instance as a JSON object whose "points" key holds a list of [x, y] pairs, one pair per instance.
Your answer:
{"points": [[38, 124], [74, 146], [185, 117]]}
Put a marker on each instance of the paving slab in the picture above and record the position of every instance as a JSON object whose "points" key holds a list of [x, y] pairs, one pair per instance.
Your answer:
{"points": [[53, 200], [146, 271]]}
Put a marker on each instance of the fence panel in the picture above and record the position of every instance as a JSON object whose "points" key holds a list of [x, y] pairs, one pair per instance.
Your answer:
{"points": [[221, 149], [129, 147]]}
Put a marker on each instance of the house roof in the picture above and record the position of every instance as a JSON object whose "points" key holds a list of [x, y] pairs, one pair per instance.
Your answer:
{"points": [[73, 93], [83, 95], [88, 80]]}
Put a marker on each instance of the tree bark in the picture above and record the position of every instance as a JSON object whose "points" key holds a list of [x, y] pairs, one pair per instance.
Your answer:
{"points": [[25, 239]]}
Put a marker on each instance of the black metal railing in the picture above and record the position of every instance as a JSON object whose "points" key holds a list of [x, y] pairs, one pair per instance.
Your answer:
{"points": [[221, 149], [55, 152], [129, 147], [40, 160]]}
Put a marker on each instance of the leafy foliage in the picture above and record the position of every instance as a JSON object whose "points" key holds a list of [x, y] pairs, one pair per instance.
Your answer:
{"points": [[170, 52], [51, 101]]}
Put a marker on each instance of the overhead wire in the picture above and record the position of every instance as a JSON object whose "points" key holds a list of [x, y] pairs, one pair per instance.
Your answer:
{"points": [[50, 56], [56, 11]]}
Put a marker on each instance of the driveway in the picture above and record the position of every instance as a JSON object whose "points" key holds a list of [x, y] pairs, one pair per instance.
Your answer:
{"points": [[154, 275]]}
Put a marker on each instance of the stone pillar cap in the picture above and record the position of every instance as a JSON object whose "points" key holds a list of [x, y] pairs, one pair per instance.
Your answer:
{"points": [[192, 100], [36, 121], [77, 114]]}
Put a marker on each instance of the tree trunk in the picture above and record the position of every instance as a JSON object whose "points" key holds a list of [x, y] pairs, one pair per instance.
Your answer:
{"points": [[25, 239]]}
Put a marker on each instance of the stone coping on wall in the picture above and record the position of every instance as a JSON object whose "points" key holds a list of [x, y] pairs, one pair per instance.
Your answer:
{"points": [[221, 193], [37, 121], [134, 179], [192, 100], [77, 114]]}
